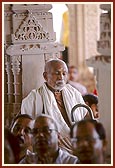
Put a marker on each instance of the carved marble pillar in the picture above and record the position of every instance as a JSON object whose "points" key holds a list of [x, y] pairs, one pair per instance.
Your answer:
{"points": [[33, 37], [17, 74], [8, 91], [73, 49], [102, 65], [84, 27], [10, 79], [30, 40]]}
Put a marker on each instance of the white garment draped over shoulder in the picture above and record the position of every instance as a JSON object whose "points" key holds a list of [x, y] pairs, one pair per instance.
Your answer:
{"points": [[33, 105]]}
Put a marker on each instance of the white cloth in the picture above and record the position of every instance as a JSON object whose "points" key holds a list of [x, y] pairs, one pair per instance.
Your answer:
{"points": [[62, 158], [65, 158], [33, 105], [82, 89]]}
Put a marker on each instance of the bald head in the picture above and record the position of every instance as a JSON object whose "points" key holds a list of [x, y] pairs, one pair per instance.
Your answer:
{"points": [[56, 74], [44, 118], [52, 63], [45, 136], [89, 141]]}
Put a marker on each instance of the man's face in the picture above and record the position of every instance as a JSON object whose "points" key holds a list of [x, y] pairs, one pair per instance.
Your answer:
{"points": [[73, 74], [22, 130], [57, 75], [94, 108], [45, 137], [87, 145]]}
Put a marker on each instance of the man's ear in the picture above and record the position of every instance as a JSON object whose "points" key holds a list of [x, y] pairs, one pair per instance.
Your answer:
{"points": [[45, 75], [93, 106], [87, 103]]}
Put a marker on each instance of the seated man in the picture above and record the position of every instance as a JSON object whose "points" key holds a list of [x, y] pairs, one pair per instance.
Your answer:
{"points": [[89, 142], [45, 144], [21, 127], [92, 101], [56, 98]]}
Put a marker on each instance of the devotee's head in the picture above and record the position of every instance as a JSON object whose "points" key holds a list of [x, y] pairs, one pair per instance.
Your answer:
{"points": [[56, 74], [92, 101], [89, 141], [21, 127], [45, 135]]}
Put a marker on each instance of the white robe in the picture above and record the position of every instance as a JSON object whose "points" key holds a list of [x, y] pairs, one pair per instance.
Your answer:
{"points": [[33, 105]]}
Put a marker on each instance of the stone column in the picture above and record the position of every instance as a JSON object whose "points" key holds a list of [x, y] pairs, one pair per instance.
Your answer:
{"points": [[84, 29], [33, 37], [30, 40], [102, 66], [17, 74], [10, 79]]}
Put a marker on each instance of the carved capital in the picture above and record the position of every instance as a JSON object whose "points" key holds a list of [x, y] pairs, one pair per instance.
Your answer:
{"points": [[8, 64], [16, 62], [104, 44]]}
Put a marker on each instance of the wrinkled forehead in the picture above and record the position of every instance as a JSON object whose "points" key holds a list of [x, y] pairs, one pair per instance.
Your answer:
{"points": [[86, 129], [56, 66], [43, 122]]}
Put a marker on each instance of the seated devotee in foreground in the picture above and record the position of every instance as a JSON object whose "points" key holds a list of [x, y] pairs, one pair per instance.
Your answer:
{"points": [[89, 142], [21, 128], [56, 98], [11, 148], [45, 144], [92, 101], [73, 80]]}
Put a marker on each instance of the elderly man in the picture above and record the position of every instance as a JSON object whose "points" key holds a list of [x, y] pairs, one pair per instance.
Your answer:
{"points": [[21, 128], [45, 144], [89, 142], [57, 99]]}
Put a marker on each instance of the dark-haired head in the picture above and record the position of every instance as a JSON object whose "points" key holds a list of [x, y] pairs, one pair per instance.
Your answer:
{"points": [[92, 101], [21, 127], [20, 116], [90, 98]]}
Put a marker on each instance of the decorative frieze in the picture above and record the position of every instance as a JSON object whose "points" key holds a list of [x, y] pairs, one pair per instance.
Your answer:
{"points": [[32, 23], [104, 44], [49, 56], [34, 48], [30, 30], [104, 60]]}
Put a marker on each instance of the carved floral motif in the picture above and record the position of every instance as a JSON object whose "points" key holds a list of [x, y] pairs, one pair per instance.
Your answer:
{"points": [[30, 30]]}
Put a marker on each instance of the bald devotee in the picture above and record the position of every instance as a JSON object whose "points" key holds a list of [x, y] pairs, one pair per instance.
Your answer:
{"points": [[89, 142], [45, 144], [56, 98]]}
